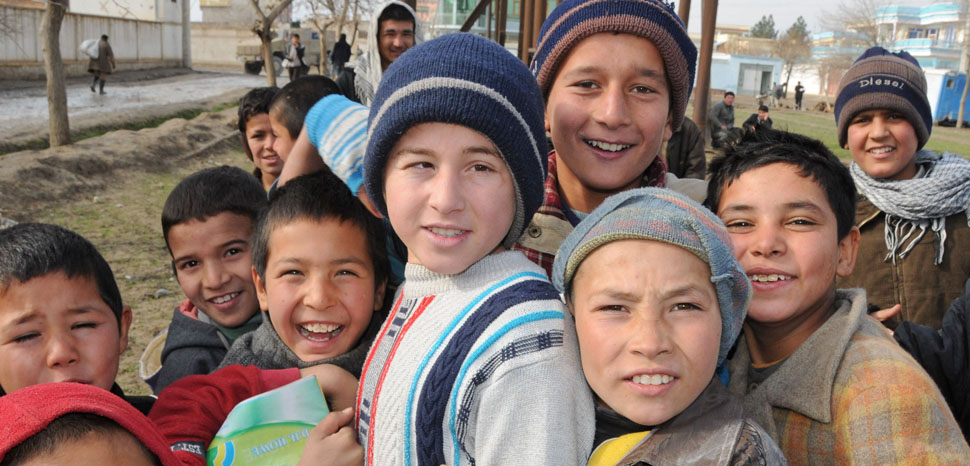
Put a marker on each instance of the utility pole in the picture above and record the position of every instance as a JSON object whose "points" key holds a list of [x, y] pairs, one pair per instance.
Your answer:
{"points": [[965, 65], [684, 11], [708, 20], [186, 34]]}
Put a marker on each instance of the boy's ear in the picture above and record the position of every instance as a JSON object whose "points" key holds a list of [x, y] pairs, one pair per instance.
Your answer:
{"points": [[365, 199], [668, 128], [124, 325], [260, 291], [848, 250], [546, 119], [379, 295]]}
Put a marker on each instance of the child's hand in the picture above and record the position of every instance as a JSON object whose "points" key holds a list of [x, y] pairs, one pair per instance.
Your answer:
{"points": [[339, 386], [333, 442], [884, 314]]}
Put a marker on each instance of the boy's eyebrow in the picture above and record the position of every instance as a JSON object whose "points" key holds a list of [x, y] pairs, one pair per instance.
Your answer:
{"points": [[807, 205], [644, 72], [687, 290], [490, 150], [231, 242], [34, 314]]}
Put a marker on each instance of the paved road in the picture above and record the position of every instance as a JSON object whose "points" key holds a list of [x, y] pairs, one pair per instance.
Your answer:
{"points": [[132, 95]]}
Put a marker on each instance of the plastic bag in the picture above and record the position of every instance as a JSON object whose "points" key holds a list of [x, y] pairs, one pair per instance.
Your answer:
{"points": [[90, 48]]}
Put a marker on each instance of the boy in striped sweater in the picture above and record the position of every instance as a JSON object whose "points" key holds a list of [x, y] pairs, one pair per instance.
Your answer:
{"points": [[477, 361]]}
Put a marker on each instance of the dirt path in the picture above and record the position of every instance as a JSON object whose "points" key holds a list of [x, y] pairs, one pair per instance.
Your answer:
{"points": [[111, 189]]}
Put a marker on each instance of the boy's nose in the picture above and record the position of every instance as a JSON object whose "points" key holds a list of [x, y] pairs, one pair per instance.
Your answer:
{"points": [[878, 128], [319, 294], [214, 275], [767, 242], [649, 337], [62, 352], [446, 194], [611, 108]]}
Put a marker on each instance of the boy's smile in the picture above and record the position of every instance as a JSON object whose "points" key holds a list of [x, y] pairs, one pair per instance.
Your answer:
{"points": [[212, 261], [607, 112], [785, 236], [450, 196], [319, 287], [883, 143], [259, 137], [68, 335], [648, 335]]}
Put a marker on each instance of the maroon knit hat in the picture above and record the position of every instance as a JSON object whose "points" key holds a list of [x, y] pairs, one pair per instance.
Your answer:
{"points": [[29, 410]]}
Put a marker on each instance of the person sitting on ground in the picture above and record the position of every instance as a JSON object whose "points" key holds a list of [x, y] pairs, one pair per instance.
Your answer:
{"points": [[61, 314], [393, 30], [207, 223], [721, 120], [651, 337], [684, 152], [257, 135], [824, 379], [759, 120], [914, 203], [68, 423], [289, 108]]}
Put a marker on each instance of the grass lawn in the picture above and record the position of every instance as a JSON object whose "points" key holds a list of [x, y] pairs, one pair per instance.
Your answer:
{"points": [[821, 126]]}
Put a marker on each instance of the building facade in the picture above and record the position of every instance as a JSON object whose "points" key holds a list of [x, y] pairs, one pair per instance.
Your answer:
{"points": [[934, 34]]}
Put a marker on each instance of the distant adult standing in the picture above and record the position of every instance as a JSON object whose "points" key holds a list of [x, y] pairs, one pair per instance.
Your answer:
{"points": [[722, 119], [295, 65], [340, 54], [799, 93], [101, 67]]}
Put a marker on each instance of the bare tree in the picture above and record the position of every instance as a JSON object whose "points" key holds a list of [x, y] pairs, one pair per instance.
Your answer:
{"points": [[263, 27], [50, 27], [830, 69], [794, 47], [858, 16], [326, 13]]}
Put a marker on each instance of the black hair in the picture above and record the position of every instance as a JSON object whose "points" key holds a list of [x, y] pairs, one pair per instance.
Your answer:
{"points": [[762, 108], [255, 102], [395, 12], [295, 35], [294, 100], [319, 196], [32, 250], [728, 93], [104, 37], [67, 428], [813, 160], [210, 192]]}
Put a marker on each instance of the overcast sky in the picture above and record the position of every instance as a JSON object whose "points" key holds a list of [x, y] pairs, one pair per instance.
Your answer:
{"points": [[785, 12]]}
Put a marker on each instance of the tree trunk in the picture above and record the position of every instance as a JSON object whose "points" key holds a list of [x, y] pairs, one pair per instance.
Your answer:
{"points": [[50, 27], [186, 35], [268, 64]]}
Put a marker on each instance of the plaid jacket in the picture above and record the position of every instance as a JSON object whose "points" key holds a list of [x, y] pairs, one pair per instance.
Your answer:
{"points": [[851, 395], [553, 222]]}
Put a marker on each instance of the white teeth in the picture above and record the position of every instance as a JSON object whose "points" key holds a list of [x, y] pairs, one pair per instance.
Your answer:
{"points": [[446, 232], [881, 150], [655, 379], [226, 298], [607, 146], [769, 278], [319, 328]]}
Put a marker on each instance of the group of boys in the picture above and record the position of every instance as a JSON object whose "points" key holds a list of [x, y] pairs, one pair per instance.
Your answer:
{"points": [[573, 306]]}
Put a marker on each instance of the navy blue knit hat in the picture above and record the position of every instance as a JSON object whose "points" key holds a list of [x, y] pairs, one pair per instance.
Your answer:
{"points": [[470, 81], [657, 214], [880, 79], [654, 20]]}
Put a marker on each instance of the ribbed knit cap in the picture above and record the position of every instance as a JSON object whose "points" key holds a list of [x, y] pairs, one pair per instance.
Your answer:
{"points": [[654, 20], [337, 127], [29, 410], [880, 79], [658, 214], [470, 81]]}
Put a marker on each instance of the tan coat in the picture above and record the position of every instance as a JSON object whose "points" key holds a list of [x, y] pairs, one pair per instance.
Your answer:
{"points": [[925, 290], [105, 61]]}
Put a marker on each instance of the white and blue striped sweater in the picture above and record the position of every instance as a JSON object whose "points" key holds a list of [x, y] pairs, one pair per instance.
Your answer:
{"points": [[480, 367]]}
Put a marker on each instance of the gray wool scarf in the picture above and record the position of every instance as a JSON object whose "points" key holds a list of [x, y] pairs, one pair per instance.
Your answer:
{"points": [[940, 188], [263, 348]]}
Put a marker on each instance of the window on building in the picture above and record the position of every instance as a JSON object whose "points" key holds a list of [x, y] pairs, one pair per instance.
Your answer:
{"points": [[915, 33], [950, 83]]}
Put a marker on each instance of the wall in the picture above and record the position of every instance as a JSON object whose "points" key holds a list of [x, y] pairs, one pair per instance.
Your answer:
{"points": [[215, 45], [136, 44]]}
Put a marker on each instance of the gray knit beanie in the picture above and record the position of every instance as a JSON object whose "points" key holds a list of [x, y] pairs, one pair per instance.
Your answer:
{"points": [[663, 215], [880, 79]]}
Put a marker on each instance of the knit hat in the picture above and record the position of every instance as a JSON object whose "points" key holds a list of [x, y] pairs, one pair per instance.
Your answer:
{"points": [[470, 81], [337, 127], [663, 215], [654, 20], [27, 411], [880, 79]]}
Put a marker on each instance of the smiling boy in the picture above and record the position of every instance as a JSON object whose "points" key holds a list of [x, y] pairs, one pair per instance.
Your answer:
{"points": [[61, 315], [824, 379], [616, 77], [477, 362], [650, 337], [914, 203], [257, 134]]}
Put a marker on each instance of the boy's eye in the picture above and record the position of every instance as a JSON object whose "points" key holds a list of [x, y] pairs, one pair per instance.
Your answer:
{"points": [[188, 265], [85, 325], [233, 251], [642, 90], [25, 337], [586, 85], [612, 307], [737, 225], [478, 167], [346, 272], [686, 307]]}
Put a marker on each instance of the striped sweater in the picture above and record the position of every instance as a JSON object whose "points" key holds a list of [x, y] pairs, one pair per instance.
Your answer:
{"points": [[479, 367]]}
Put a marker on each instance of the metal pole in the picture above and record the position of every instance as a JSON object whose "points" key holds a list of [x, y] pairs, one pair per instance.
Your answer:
{"points": [[502, 18], [525, 28], [537, 20], [702, 94], [684, 11]]}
